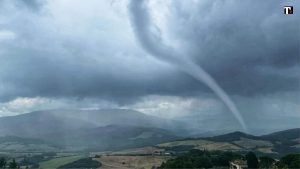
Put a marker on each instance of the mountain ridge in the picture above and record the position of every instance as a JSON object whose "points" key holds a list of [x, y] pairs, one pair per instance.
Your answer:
{"points": [[38, 123], [278, 135]]}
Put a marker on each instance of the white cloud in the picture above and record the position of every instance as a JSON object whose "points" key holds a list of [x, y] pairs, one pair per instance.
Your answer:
{"points": [[175, 107], [20, 105], [23, 105], [7, 35]]}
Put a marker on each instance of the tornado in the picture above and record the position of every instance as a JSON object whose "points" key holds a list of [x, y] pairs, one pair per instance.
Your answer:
{"points": [[152, 43]]}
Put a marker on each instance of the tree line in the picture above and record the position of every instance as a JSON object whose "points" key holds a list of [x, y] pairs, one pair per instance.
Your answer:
{"points": [[5, 164], [206, 159]]}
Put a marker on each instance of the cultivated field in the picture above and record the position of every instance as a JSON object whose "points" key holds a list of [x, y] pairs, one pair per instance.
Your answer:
{"points": [[138, 151], [202, 144], [126, 162], [223, 146], [250, 143], [267, 150], [185, 143]]}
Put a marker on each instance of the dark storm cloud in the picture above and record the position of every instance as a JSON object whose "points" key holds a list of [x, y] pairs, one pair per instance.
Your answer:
{"points": [[33, 4], [42, 74], [236, 40], [248, 51]]}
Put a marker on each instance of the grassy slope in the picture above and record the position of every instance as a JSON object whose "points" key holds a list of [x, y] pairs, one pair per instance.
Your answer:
{"points": [[277, 144], [56, 162], [14, 143]]}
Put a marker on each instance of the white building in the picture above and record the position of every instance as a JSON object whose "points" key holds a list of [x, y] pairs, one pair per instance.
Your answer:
{"points": [[238, 164]]}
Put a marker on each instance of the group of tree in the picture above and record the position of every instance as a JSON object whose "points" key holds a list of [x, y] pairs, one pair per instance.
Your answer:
{"points": [[83, 163], [33, 161], [206, 159], [289, 161], [12, 164], [201, 159]]}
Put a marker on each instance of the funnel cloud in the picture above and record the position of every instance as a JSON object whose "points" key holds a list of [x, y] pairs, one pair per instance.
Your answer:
{"points": [[154, 45]]}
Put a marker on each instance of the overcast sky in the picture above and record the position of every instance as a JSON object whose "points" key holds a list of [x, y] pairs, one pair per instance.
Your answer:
{"points": [[85, 55]]}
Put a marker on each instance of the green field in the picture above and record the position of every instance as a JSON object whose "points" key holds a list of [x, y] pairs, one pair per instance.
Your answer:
{"points": [[202, 144], [56, 162]]}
